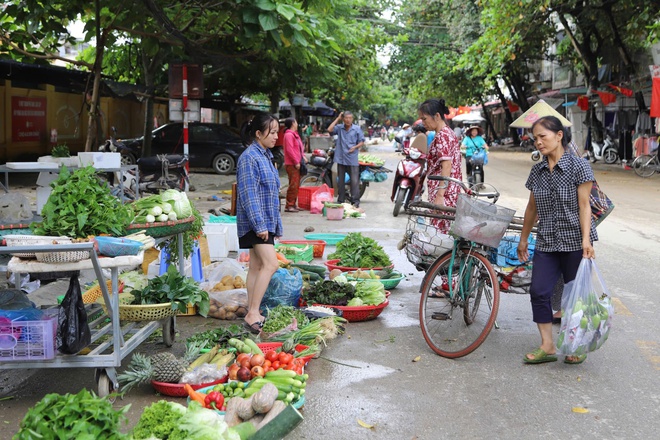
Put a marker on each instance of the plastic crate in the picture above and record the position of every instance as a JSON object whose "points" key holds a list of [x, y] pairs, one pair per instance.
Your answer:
{"points": [[318, 245], [305, 196], [27, 340], [306, 255]]}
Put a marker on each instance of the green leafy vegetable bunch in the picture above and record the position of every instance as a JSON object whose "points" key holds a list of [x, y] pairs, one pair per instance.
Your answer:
{"points": [[81, 205], [281, 316], [82, 416], [329, 292], [356, 250], [175, 288]]}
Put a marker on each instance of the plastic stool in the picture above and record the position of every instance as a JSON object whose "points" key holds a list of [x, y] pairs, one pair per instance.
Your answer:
{"points": [[195, 259]]}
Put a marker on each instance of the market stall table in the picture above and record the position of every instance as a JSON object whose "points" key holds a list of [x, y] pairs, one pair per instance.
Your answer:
{"points": [[108, 354]]}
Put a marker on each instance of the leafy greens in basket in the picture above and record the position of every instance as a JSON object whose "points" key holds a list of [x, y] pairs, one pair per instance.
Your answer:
{"points": [[356, 250], [175, 288]]}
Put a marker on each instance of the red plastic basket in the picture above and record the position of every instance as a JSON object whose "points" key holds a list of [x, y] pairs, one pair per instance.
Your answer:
{"points": [[360, 313], [319, 245], [305, 196], [270, 346], [178, 390], [332, 264]]}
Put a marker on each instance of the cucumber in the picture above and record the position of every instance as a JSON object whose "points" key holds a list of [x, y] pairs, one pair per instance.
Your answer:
{"points": [[310, 268], [392, 275], [311, 276]]}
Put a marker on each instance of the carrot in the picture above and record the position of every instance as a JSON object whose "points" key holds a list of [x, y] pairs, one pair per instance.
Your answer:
{"points": [[195, 395], [282, 258]]}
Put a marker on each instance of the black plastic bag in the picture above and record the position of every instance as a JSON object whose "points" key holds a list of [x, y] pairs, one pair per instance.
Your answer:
{"points": [[73, 333]]}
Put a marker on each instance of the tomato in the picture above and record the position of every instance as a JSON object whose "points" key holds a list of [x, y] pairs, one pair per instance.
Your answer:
{"points": [[298, 370], [275, 365], [285, 358], [288, 367], [297, 362], [281, 356], [271, 356], [266, 364]]}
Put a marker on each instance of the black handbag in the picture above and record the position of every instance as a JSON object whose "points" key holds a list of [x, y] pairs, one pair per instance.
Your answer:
{"points": [[303, 168]]}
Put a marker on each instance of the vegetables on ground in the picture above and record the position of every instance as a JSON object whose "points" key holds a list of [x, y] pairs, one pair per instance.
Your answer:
{"points": [[329, 292], [80, 206], [79, 416], [218, 336], [356, 250], [281, 316], [369, 292]]}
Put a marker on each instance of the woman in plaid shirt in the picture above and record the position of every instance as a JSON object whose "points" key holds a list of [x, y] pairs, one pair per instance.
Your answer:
{"points": [[560, 186], [258, 219]]}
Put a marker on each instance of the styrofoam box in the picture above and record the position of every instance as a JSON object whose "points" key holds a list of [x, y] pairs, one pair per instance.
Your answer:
{"points": [[232, 237], [216, 234], [100, 160], [43, 192], [46, 177]]}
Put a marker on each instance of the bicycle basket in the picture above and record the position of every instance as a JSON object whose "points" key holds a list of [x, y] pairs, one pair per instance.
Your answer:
{"points": [[481, 222], [424, 243]]}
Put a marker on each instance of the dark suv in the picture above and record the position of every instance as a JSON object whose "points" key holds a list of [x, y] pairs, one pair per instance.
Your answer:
{"points": [[210, 145]]}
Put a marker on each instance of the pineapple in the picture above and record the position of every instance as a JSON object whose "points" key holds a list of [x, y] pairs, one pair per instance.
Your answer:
{"points": [[161, 367]]}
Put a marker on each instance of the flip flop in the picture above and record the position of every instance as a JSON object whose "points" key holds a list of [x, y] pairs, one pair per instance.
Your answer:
{"points": [[540, 357], [577, 359], [254, 328]]}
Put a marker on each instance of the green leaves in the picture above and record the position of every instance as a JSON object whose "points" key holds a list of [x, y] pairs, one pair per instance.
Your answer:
{"points": [[175, 288], [80, 416], [81, 205], [356, 250]]}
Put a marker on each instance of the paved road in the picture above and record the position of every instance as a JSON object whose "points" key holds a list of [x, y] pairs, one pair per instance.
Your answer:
{"points": [[368, 373]]}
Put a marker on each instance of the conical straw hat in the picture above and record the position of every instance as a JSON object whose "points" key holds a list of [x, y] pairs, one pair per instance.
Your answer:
{"points": [[536, 112]]}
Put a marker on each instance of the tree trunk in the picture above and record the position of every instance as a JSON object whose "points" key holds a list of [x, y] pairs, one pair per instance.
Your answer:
{"points": [[507, 113], [94, 126], [274, 102], [489, 122]]}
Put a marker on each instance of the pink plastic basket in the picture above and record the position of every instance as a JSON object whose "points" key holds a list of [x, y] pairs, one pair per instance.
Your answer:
{"points": [[27, 340]]}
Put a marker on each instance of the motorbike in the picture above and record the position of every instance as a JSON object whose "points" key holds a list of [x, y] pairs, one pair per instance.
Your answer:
{"points": [[162, 172], [527, 142], [408, 185], [319, 171], [476, 177], [113, 145], [607, 150]]}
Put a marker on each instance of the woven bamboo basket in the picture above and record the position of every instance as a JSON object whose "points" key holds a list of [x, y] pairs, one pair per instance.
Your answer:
{"points": [[33, 240], [95, 293], [144, 312], [62, 257], [163, 229]]}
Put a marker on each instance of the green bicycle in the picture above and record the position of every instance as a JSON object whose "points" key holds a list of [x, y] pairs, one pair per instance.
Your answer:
{"points": [[460, 293]]}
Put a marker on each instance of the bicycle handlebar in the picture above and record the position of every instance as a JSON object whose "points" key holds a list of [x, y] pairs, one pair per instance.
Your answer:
{"points": [[490, 195]]}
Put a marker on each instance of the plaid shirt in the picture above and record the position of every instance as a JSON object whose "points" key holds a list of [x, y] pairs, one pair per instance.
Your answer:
{"points": [[556, 199], [258, 202]]}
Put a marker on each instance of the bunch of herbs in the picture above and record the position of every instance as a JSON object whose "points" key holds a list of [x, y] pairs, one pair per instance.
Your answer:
{"points": [[356, 250], [281, 316], [80, 206], [175, 288], [218, 336]]}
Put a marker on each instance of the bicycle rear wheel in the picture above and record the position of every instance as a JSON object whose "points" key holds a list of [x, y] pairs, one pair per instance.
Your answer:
{"points": [[454, 327], [645, 165]]}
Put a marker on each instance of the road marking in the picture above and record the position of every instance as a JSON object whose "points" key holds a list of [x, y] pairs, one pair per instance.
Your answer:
{"points": [[620, 309], [651, 351]]}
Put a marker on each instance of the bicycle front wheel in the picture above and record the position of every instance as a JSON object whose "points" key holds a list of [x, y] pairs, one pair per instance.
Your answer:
{"points": [[456, 326], [645, 165]]}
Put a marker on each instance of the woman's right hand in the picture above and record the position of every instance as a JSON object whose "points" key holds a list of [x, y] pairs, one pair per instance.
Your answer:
{"points": [[263, 235], [523, 253]]}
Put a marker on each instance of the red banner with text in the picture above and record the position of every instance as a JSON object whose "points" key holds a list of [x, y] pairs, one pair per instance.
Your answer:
{"points": [[28, 119]]}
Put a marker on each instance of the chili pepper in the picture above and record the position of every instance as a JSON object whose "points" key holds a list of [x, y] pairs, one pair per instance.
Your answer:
{"points": [[214, 400]]}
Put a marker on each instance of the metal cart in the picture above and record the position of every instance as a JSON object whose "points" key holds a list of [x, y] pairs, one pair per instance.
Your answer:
{"points": [[107, 356]]}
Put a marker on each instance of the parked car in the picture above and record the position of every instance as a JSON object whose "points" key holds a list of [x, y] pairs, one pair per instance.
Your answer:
{"points": [[210, 145]]}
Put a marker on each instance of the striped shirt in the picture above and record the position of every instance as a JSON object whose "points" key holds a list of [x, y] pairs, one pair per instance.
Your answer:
{"points": [[556, 197], [258, 183]]}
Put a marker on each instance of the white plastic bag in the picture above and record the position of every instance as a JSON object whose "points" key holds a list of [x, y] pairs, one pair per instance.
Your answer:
{"points": [[587, 312]]}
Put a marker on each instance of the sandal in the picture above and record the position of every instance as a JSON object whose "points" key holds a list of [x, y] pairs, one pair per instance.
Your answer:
{"points": [[254, 328], [575, 359], [291, 210], [540, 357]]}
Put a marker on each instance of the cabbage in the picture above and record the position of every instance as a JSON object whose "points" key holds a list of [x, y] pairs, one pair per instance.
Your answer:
{"points": [[156, 211], [355, 302], [179, 201], [370, 292], [202, 424], [341, 279], [172, 216]]}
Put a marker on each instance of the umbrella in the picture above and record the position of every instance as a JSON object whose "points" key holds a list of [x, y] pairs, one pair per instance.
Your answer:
{"points": [[468, 117], [538, 110]]}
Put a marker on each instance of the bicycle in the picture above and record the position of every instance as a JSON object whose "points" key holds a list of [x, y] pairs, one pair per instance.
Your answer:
{"points": [[461, 277], [647, 165]]}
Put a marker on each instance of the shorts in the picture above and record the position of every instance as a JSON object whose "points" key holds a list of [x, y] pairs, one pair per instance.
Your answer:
{"points": [[250, 239]]}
